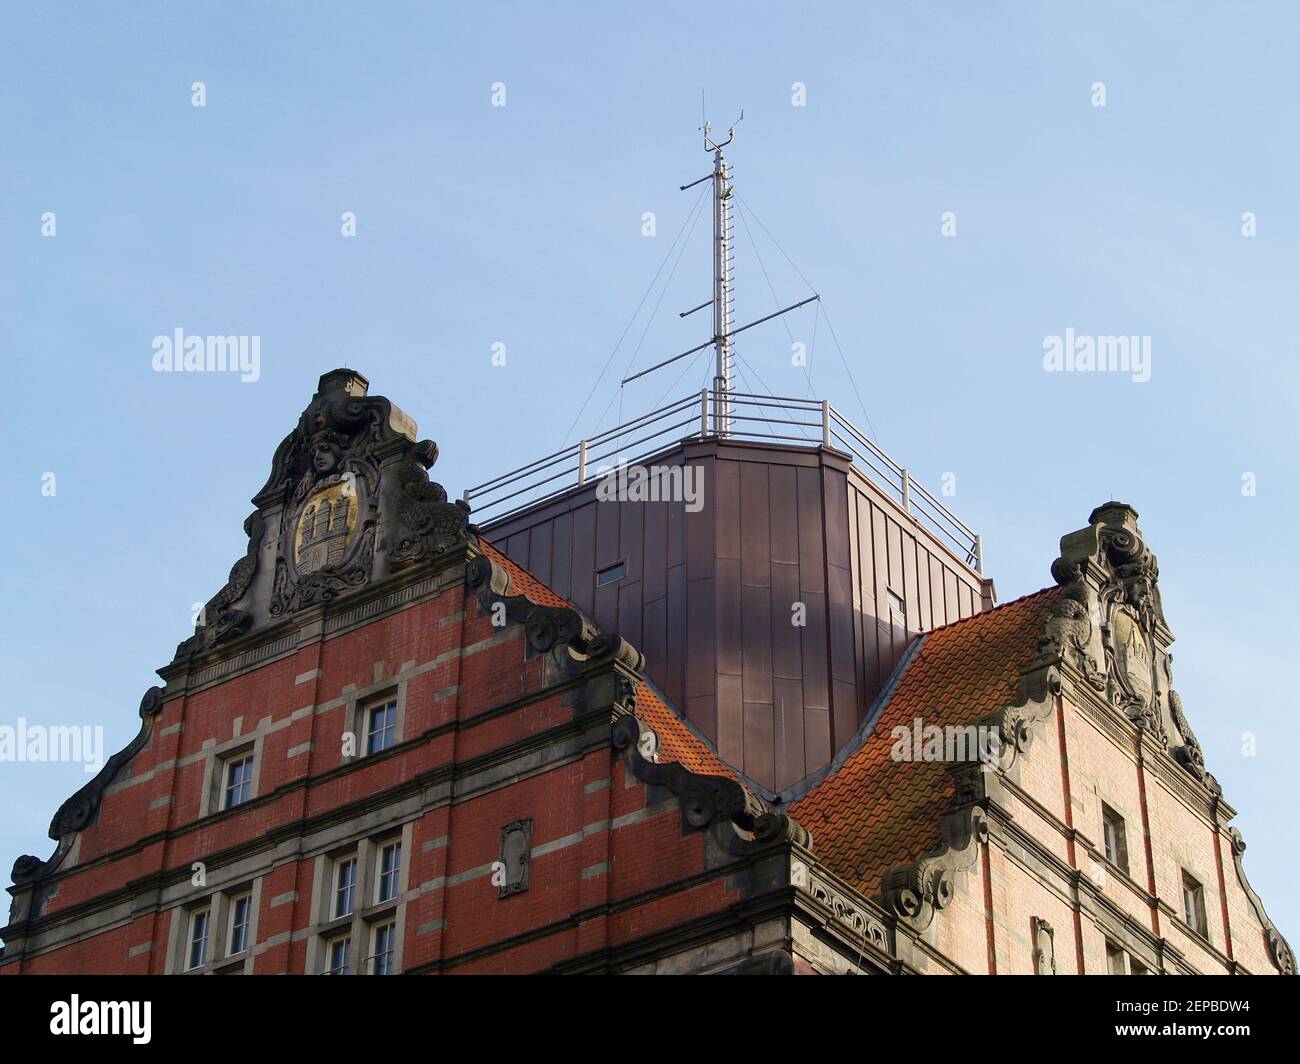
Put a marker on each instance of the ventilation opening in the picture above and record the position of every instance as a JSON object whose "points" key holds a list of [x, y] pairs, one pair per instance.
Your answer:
{"points": [[609, 574]]}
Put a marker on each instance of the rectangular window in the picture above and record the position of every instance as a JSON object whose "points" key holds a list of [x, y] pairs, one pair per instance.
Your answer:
{"points": [[240, 910], [1194, 905], [339, 953], [198, 939], [609, 574], [1115, 960], [895, 601], [1137, 968], [345, 887], [1112, 832], [390, 868], [381, 729], [239, 781], [385, 939]]}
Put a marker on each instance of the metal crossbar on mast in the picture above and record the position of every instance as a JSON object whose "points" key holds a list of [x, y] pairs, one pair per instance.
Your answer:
{"points": [[723, 301], [723, 412]]}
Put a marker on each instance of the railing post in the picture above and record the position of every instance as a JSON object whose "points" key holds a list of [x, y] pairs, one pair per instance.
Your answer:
{"points": [[582, 462], [704, 412], [465, 496], [826, 422], [907, 493], [979, 556]]}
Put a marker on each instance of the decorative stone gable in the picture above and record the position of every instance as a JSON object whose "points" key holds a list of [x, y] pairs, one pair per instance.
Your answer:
{"points": [[348, 502], [1111, 627]]}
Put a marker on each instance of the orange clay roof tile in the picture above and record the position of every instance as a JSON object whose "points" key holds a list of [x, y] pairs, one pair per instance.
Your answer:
{"points": [[677, 742], [876, 812]]}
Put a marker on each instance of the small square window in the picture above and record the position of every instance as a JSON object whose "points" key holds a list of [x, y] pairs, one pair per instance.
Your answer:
{"points": [[385, 938], [340, 953], [345, 887], [895, 601], [1113, 838], [239, 781], [390, 869], [241, 909], [381, 727], [1194, 905], [198, 952], [609, 574]]}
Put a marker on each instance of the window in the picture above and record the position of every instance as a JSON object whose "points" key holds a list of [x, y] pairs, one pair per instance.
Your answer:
{"points": [[390, 868], [345, 887], [1112, 833], [1115, 960], [609, 574], [239, 781], [1137, 968], [340, 952], [895, 601], [199, 938], [385, 936], [381, 727], [1194, 905], [240, 910]]}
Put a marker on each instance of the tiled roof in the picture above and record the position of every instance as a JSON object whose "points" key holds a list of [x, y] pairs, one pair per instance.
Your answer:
{"points": [[522, 582], [875, 812], [677, 742]]}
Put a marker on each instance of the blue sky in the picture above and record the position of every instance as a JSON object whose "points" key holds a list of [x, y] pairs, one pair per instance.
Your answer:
{"points": [[522, 225]]}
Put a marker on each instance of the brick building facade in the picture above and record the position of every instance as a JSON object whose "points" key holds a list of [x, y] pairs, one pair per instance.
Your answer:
{"points": [[398, 742]]}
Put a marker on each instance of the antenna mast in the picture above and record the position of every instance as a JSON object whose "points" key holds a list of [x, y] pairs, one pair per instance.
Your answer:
{"points": [[723, 304], [723, 300]]}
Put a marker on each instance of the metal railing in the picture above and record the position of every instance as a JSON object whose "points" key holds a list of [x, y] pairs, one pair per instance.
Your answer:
{"points": [[751, 417]]}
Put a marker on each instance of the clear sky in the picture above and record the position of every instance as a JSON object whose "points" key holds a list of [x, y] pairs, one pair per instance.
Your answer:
{"points": [[522, 225]]}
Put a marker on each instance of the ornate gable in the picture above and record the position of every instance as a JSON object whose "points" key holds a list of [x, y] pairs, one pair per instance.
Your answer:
{"points": [[1116, 633], [349, 501]]}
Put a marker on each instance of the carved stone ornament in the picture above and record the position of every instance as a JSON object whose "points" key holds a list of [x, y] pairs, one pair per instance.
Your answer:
{"points": [[570, 638], [918, 890], [516, 856], [1111, 571], [1279, 950], [348, 501], [739, 821], [79, 811], [1044, 947]]}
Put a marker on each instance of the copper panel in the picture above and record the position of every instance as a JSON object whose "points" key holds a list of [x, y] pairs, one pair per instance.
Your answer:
{"points": [[731, 721], [760, 751], [730, 634], [755, 546], [812, 576], [727, 513], [757, 644], [787, 656], [784, 519], [788, 732]]}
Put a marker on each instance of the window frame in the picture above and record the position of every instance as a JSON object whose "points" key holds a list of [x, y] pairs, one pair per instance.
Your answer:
{"points": [[1114, 825], [234, 902], [352, 860], [228, 765], [389, 925], [344, 940], [389, 730], [193, 916], [1195, 915], [394, 875], [612, 573]]}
